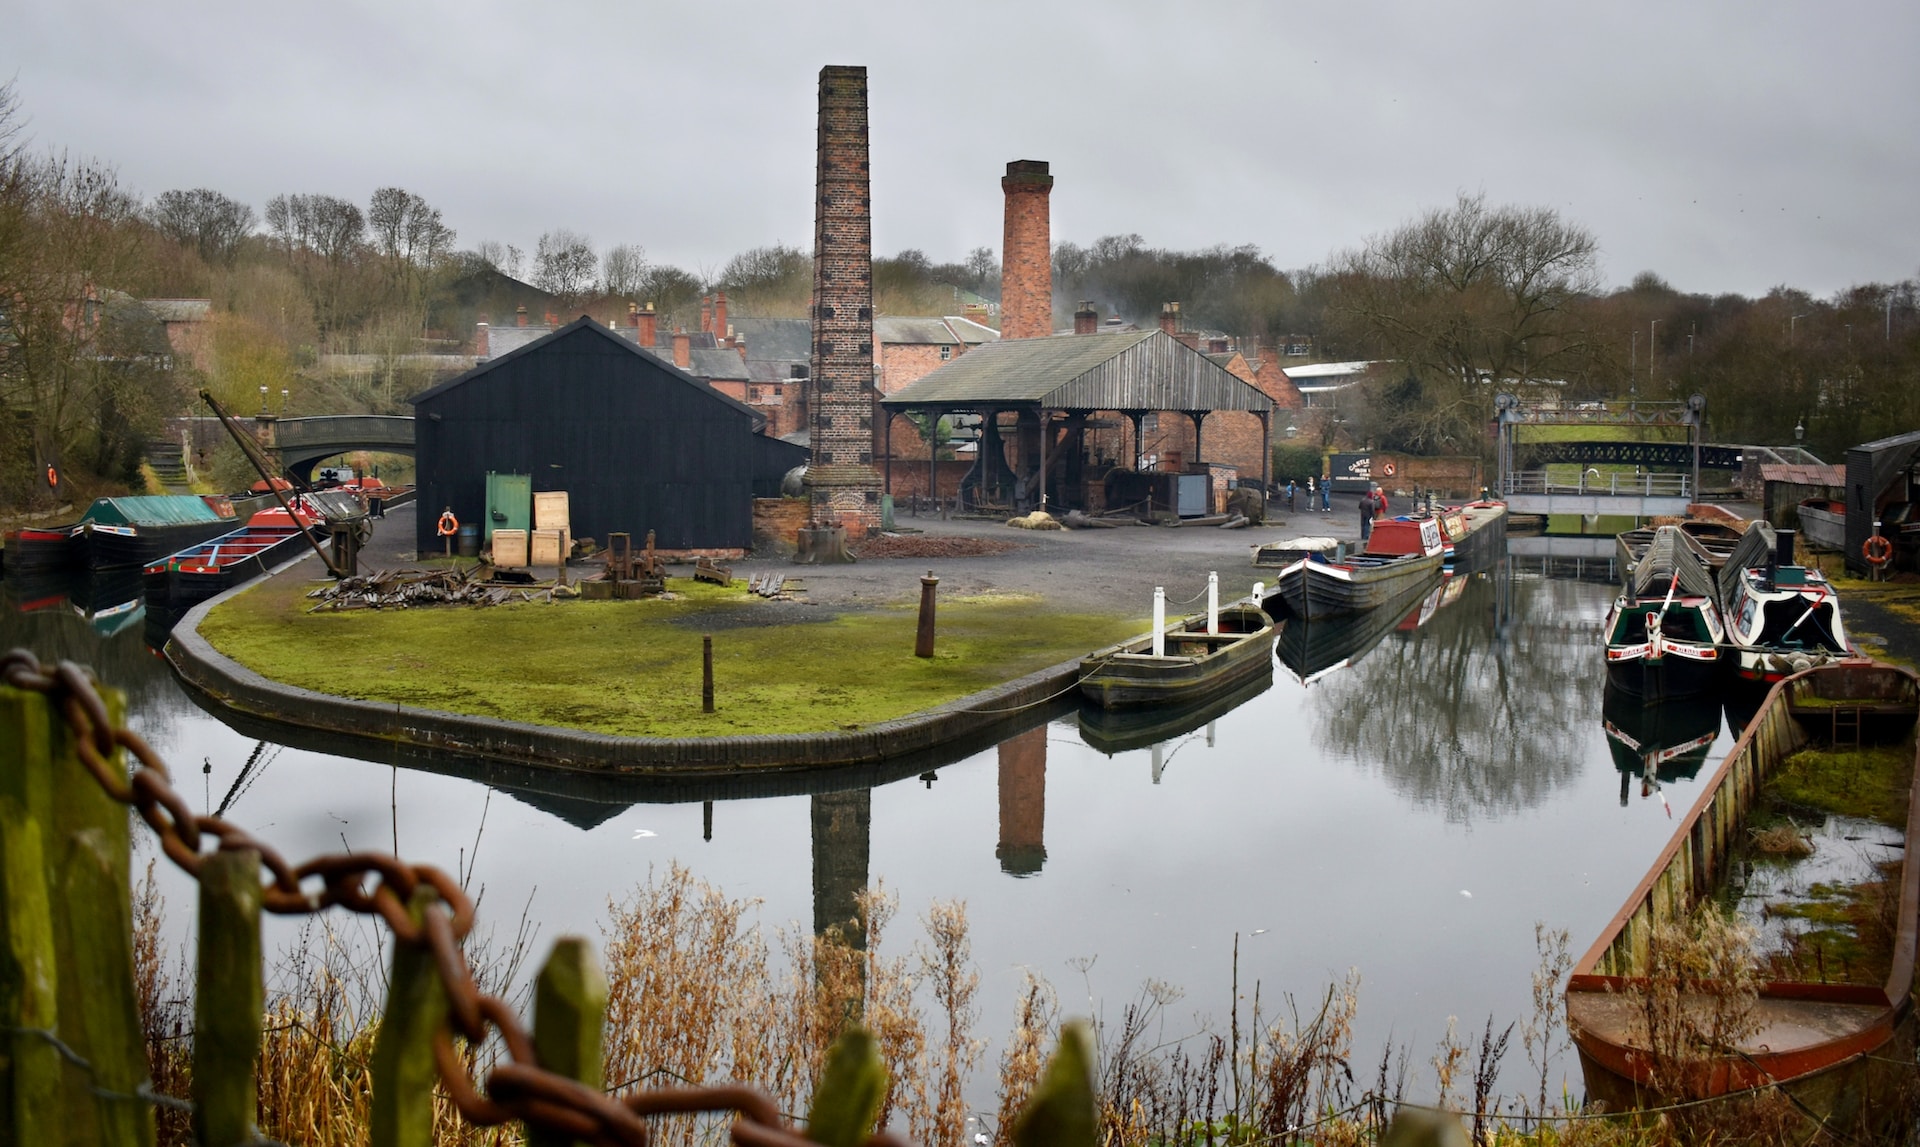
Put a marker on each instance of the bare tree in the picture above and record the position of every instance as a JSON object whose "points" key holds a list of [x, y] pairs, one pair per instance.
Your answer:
{"points": [[502, 257], [322, 238], [624, 270], [564, 265], [407, 231], [1465, 298], [205, 220]]}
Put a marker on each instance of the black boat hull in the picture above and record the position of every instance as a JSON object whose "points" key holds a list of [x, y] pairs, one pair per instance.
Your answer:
{"points": [[1315, 590]]}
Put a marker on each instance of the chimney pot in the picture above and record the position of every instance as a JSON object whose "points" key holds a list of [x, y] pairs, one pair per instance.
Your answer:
{"points": [[721, 329], [648, 322], [1170, 318], [706, 314], [1086, 320], [520, 315], [682, 348]]}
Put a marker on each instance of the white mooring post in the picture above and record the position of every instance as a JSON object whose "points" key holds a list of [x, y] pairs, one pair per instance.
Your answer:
{"points": [[1159, 621], [1260, 594], [1213, 602]]}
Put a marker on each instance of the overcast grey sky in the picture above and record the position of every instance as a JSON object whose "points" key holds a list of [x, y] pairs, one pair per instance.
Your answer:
{"points": [[1728, 146]]}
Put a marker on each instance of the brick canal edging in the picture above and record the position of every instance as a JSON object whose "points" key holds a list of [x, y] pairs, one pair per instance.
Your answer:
{"points": [[235, 687]]}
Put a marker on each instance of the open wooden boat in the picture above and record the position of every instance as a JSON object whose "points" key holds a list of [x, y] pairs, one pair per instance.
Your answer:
{"points": [[199, 572], [1664, 632], [1838, 1050], [1317, 587], [1113, 731], [1286, 551], [1311, 648], [1823, 523], [1782, 618], [1196, 664]]}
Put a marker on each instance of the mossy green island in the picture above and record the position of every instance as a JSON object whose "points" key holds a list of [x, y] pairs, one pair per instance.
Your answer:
{"points": [[633, 668]]}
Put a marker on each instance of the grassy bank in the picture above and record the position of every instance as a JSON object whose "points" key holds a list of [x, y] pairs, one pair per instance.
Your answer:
{"points": [[633, 668]]}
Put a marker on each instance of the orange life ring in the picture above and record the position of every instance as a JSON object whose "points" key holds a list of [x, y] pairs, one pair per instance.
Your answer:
{"points": [[449, 525], [1387, 469], [1878, 550], [53, 476]]}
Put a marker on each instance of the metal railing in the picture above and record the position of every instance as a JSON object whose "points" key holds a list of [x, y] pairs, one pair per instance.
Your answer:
{"points": [[1590, 481]]}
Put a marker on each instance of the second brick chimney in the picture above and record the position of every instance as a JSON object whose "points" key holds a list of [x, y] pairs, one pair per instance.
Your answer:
{"points": [[649, 324], [720, 331], [706, 314], [520, 315], [682, 348], [1170, 318], [1086, 320], [1026, 252]]}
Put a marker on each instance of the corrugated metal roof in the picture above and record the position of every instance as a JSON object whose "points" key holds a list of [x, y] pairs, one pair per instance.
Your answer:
{"points": [[1140, 370], [150, 510], [1800, 474]]}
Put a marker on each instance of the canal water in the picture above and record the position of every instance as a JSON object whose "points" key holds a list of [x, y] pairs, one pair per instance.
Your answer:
{"points": [[1410, 811]]}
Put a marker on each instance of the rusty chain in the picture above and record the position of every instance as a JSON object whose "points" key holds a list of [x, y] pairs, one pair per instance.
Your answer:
{"points": [[517, 1089]]}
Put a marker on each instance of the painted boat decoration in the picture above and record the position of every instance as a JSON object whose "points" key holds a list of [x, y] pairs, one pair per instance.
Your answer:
{"points": [[1196, 664], [199, 572], [1823, 523], [1316, 587], [1660, 742], [1836, 1049], [1664, 632], [1782, 618]]}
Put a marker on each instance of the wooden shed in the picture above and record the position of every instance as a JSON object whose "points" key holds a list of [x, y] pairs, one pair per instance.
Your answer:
{"points": [[637, 443]]}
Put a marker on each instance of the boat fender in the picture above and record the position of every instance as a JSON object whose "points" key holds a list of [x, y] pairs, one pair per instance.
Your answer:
{"points": [[1801, 664]]}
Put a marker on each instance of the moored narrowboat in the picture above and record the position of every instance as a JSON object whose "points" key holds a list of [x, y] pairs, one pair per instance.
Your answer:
{"points": [[1664, 632]]}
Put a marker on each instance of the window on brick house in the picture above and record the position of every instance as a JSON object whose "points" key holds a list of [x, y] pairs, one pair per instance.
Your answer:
{"points": [[946, 354]]}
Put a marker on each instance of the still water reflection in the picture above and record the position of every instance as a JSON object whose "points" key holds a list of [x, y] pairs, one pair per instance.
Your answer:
{"points": [[1407, 801]]}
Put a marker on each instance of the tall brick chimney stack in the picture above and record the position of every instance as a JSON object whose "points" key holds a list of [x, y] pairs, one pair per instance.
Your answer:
{"points": [[682, 348], [649, 324], [1170, 318], [1086, 320], [481, 347], [1026, 252], [720, 331], [706, 314], [842, 487]]}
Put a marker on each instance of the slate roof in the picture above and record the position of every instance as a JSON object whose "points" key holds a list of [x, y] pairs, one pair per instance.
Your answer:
{"points": [[180, 310], [776, 340], [1138, 370]]}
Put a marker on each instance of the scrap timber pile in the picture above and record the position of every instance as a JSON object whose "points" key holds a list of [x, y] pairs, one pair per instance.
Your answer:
{"points": [[408, 589], [907, 546]]}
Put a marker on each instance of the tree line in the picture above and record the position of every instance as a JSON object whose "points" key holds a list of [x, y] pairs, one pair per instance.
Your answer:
{"points": [[1468, 299]]}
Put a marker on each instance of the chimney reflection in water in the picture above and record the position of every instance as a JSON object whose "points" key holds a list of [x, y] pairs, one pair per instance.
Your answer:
{"points": [[1023, 803]]}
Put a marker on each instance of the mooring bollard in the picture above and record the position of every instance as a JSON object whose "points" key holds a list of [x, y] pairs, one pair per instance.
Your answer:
{"points": [[923, 641], [1159, 621], [1213, 602], [706, 673]]}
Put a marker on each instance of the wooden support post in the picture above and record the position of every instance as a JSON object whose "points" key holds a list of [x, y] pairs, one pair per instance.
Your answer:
{"points": [[923, 640], [229, 1000], [403, 1069], [89, 851], [706, 673], [569, 1018], [32, 1108]]}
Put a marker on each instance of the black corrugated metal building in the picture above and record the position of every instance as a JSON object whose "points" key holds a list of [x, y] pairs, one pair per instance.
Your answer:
{"points": [[637, 443]]}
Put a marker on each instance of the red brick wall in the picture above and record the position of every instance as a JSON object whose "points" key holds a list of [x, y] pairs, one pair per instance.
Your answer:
{"points": [[777, 522], [842, 484], [910, 477], [902, 364], [1026, 255]]}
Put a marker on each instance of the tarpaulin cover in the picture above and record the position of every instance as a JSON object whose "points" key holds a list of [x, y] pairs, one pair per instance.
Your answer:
{"points": [[150, 510]]}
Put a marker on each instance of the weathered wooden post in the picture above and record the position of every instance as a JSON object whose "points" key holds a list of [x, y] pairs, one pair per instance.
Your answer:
{"points": [[32, 1106], [569, 1020], [706, 673], [403, 1069], [923, 641], [229, 1000]]}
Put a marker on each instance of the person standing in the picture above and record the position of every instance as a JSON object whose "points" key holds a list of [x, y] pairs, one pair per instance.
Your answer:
{"points": [[1326, 496], [1367, 508], [1291, 492]]}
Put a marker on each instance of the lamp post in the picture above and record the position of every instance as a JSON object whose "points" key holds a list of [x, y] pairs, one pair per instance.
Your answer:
{"points": [[263, 402], [283, 400], [1799, 430], [1653, 353]]}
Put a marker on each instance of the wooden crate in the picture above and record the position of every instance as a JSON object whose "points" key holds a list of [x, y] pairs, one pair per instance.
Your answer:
{"points": [[550, 512], [510, 549], [549, 547]]}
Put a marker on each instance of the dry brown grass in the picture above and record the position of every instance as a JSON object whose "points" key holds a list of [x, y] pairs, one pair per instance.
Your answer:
{"points": [[1783, 840]]}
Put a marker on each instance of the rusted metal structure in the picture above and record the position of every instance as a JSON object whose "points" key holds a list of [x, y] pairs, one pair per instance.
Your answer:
{"points": [[1827, 1045]]}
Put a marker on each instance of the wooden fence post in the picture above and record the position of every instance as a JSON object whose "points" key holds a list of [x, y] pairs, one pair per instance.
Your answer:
{"points": [[88, 892], [569, 1021], [31, 1108], [403, 1069], [229, 1000]]}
